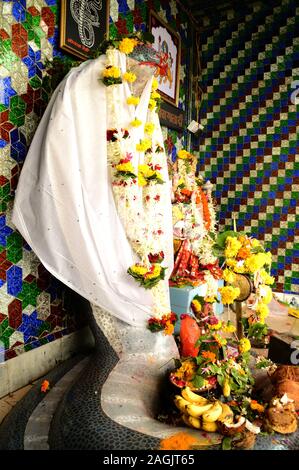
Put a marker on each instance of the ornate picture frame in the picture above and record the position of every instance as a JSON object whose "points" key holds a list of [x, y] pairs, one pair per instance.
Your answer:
{"points": [[84, 24], [168, 43]]}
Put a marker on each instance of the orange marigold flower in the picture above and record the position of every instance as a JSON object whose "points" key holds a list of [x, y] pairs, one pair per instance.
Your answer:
{"points": [[45, 386], [209, 355], [243, 253], [254, 405]]}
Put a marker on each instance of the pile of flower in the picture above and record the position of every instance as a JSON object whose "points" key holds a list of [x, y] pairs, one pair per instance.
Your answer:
{"points": [[194, 222], [220, 360], [243, 255], [166, 323], [147, 277]]}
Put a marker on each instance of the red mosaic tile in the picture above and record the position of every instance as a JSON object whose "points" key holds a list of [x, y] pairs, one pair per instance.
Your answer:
{"points": [[19, 43], [2, 257], [3, 34], [3, 180], [10, 354], [49, 18], [33, 11], [15, 313], [29, 278], [2, 317], [5, 129], [4, 116]]}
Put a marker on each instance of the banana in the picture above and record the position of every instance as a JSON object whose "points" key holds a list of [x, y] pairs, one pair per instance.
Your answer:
{"points": [[191, 421], [193, 397], [209, 427], [196, 410], [227, 414], [226, 388], [213, 413], [180, 403]]}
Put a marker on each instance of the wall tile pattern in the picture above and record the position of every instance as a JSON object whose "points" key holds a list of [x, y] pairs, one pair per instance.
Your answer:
{"points": [[32, 307], [249, 148]]}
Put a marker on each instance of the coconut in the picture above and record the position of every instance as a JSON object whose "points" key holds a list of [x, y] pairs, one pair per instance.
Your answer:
{"points": [[231, 429], [252, 428]]}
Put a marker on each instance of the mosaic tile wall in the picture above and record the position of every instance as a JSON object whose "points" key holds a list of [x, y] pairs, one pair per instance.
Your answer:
{"points": [[32, 303], [249, 148]]}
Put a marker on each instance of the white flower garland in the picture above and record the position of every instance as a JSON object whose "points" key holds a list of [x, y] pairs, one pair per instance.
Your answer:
{"points": [[139, 207]]}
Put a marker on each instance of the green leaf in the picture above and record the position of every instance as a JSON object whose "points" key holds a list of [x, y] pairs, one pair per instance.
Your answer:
{"points": [[220, 379], [226, 443], [221, 239], [198, 381]]}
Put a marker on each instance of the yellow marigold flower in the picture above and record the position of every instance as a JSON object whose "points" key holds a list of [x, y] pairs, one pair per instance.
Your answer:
{"points": [[169, 328], [239, 268], [229, 327], [141, 180], [262, 309], [143, 145], [155, 273], [268, 257], [111, 72], [126, 167], [184, 155], [134, 100], [129, 77], [255, 243], [155, 95], [231, 262], [267, 279], [229, 294], [127, 45], [265, 293], [155, 84], [244, 345], [229, 276], [152, 104], [255, 262], [217, 326], [149, 128], [187, 370], [197, 305], [210, 300], [137, 269], [232, 246], [136, 123]]}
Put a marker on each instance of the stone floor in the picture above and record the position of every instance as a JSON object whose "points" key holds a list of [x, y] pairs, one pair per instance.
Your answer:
{"points": [[9, 401], [278, 320]]}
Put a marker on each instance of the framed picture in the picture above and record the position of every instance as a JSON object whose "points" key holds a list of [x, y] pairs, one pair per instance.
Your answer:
{"points": [[168, 43], [83, 26]]}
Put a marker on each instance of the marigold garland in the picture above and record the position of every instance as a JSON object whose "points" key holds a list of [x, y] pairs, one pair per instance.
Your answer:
{"points": [[144, 231]]}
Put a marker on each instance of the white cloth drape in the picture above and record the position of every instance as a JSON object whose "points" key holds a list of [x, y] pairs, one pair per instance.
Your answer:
{"points": [[64, 205]]}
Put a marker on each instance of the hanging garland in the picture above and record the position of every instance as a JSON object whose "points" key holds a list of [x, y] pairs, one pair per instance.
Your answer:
{"points": [[138, 189]]}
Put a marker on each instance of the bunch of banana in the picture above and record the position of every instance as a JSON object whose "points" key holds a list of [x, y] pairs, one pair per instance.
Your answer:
{"points": [[200, 413]]}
